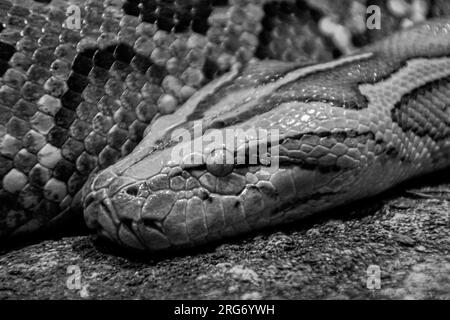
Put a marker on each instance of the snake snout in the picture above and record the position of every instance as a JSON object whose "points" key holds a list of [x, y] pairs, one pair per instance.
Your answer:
{"points": [[127, 212], [95, 208], [114, 217]]}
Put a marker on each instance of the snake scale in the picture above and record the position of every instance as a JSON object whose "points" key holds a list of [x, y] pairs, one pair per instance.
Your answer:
{"points": [[91, 118]]}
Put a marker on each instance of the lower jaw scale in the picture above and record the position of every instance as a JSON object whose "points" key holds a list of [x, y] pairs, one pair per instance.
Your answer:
{"points": [[136, 235]]}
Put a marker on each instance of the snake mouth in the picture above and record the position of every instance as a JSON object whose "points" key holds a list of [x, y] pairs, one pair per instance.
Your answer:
{"points": [[101, 215], [115, 214], [97, 205]]}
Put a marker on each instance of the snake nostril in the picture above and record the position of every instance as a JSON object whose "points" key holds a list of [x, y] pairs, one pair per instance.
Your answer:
{"points": [[132, 191]]}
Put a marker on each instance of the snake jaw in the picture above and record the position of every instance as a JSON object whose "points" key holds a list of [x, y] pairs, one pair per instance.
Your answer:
{"points": [[123, 210]]}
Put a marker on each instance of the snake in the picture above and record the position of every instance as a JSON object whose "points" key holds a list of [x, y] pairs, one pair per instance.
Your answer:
{"points": [[165, 143]]}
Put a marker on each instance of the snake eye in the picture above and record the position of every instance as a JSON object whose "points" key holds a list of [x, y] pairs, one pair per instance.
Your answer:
{"points": [[216, 162]]}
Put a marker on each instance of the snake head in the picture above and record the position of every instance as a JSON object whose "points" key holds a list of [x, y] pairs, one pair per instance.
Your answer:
{"points": [[173, 199], [164, 201]]}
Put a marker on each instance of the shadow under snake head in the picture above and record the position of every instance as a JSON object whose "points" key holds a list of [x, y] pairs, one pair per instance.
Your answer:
{"points": [[289, 141]]}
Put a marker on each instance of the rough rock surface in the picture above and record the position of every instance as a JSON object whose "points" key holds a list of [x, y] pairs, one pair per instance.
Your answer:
{"points": [[405, 233]]}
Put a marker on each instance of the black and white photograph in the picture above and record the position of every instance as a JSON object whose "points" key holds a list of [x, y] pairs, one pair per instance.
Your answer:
{"points": [[194, 152]]}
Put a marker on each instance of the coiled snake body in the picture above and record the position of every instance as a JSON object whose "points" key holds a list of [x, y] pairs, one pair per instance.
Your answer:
{"points": [[345, 130]]}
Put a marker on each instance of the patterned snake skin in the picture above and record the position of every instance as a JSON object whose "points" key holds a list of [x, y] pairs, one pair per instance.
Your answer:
{"points": [[77, 101]]}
